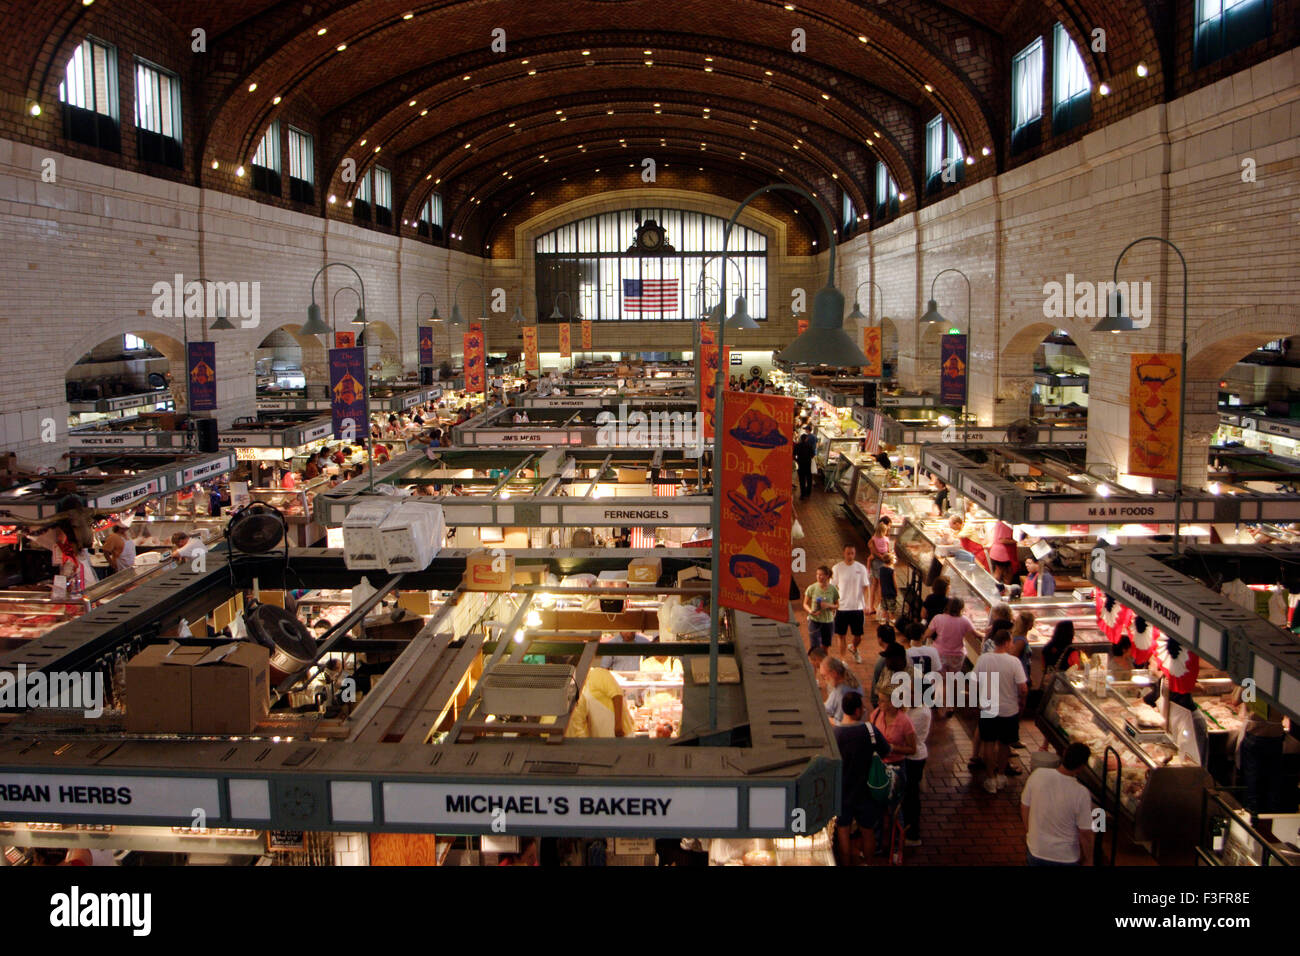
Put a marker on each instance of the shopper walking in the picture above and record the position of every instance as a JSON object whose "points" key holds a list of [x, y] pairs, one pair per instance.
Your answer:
{"points": [[1003, 688], [936, 602], [805, 450], [820, 602], [853, 582], [949, 631], [913, 771], [860, 813], [1056, 810], [839, 680]]}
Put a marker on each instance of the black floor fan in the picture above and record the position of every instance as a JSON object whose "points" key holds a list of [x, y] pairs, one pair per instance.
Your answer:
{"points": [[255, 529]]}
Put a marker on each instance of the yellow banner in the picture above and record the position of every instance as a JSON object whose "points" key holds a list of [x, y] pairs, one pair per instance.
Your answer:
{"points": [[531, 363], [586, 335], [1154, 411], [566, 340], [871, 347]]}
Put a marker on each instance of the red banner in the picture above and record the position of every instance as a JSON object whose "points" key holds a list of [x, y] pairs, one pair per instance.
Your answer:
{"points": [[586, 335], [757, 468], [531, 363], [801, 325], [708, 382], [871, 348], [1153, 415], [347, 340], [475, 373], [706, 334], [566, 340]]}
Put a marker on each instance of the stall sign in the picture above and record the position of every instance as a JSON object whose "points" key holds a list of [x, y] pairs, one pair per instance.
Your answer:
{"points": [[737, 359], [1154, 414], [206, 470], [314, 432], [632, 512], [531, 362], [475, 372], [425, 336], [1285, 429], [708, 385], [566, 340], [900, 401], [250, 440], [610, 809], [116, 500], [76, 441], [1226, 418], [1109, 511], [756, 504], [1157, 609], [586, 335], [348, 398], [201, 367], [345, 340], [952, 369], [872, 349], [32, 795], [413, 399]]}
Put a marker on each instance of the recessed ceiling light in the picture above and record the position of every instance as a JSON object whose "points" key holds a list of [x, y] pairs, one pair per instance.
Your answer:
{"points": [[767, 72], [657, 112], [275, 101], [564, 119], [468, 145], [363, 142], [322, 31], [215, 164], [239, 171], [558, 112], [532, 72], [408, 15], [523, 62], [252, 87], [378, 148], [902, 195], [1104, 89], [424, 112], [341, 47], [789, 6], [333, 199], [648, 52], [430, 176], [929, 88], [835, 176], [826, 96], [586, 53], [438, 180], [861, 38], [1142, 69], [465, 77], [649, 62], [708, 69], [412, 103], [985, 151], [876, 133], [510, 126]]}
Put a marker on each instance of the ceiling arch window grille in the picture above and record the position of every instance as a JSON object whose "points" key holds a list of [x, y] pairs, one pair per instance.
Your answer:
{"points": [[590, 259]]}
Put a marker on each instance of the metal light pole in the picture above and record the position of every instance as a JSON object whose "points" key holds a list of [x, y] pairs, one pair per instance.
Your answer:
{"points": [[1182, 384], [716, 503], [315, 326], [932, 315], [334, 299]]}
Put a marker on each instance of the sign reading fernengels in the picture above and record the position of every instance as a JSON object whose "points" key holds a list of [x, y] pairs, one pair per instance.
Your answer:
{"points": [[99, 795], [613, 809], [614, 513]]}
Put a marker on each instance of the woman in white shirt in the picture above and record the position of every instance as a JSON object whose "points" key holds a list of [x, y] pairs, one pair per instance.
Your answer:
{"points": [[915, 767]]}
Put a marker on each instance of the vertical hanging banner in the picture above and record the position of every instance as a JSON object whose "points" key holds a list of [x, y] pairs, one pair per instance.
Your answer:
{"points": [[531, 363], [425, 337], [706, 334], [757, 468], [1154, 411], [475, 373], [566, 340], [801, 325], [708, 382], [348, 393], [586, 335], [201, 361], [871, 348], [952, 370], [345, 340]]}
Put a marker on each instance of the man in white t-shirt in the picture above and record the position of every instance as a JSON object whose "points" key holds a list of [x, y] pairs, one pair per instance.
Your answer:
{"points": [[852, 580], [1003, 688], [185, 547], [1057, 812]]}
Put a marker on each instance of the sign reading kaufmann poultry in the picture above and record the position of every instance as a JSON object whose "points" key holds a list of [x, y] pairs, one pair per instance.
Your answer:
{"points": [[757, 468], [348, 392]]}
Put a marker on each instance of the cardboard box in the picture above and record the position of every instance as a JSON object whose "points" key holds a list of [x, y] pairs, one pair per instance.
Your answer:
{"points": [[484, 572], [158, 697], [172, 689], [633, 476], [230, 689], [644, 570], [417, 602], [693, 577], [530, 574]]}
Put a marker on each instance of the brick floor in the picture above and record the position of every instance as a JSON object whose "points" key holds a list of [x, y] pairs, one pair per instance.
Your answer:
{"points": [[961, 824]]}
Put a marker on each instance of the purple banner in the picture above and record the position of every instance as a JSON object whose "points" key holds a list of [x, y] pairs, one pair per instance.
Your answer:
{"points": [[201, 362], [426, 344], [952, 370], [348, 394]]}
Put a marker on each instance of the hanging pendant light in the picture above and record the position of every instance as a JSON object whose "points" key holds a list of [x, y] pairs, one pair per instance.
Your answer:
{"points": [[825, 342], [740, 319], [314, 324]]}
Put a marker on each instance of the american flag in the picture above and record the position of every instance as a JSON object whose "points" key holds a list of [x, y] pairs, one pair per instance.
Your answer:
{"points": [[874, 416], [644, 537], [650, 295]]}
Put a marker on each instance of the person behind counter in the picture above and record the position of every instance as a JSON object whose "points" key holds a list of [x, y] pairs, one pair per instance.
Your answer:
{"points": [[940, 497], [118, 547], [185, 547], [601, 710], [1039, 581]]}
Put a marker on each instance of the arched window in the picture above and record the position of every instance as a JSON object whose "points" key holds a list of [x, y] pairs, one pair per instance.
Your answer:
{"points": [[611, 276]]}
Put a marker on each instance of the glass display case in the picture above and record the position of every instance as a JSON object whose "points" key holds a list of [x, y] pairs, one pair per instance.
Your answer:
{"points": [[1228, 838], [1125, 736], [654, 696]]}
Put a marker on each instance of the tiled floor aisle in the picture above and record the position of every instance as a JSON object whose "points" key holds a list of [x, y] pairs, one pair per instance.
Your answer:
{"points": [[961, 824]]}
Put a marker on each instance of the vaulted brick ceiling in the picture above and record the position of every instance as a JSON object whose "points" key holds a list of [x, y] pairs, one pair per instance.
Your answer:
{"points": [[422, 87]]}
